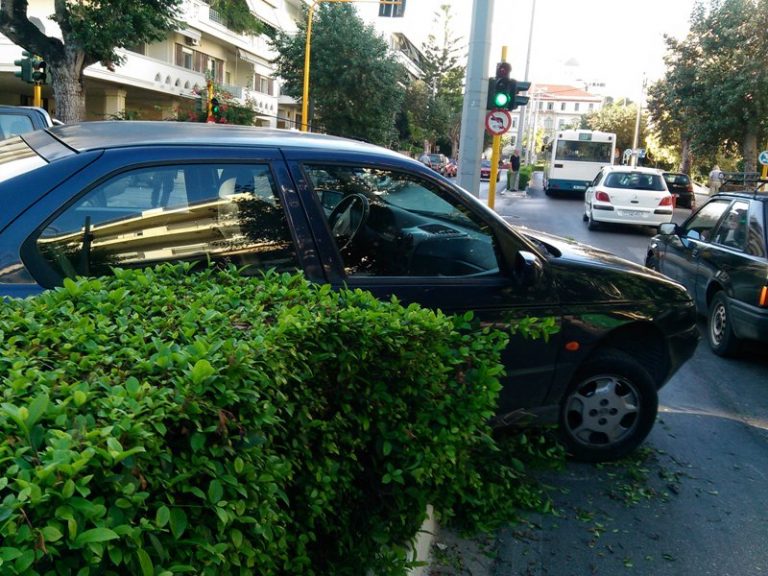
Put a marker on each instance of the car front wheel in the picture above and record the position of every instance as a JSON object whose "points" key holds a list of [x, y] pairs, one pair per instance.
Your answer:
{"points": [[609, 408], [720, 334]]}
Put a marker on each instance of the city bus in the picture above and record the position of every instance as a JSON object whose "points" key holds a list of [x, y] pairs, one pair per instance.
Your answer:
{"points": [[576, 158]]}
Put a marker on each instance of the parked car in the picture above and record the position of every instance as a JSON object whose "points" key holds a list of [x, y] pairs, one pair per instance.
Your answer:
{"points": [[485, 171], [719, 255], [438, 162], [132, 194], [17, 120], [627, 195], [681, 187]]}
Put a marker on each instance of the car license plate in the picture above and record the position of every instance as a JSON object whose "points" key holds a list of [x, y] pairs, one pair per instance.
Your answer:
{"points": [[579, 187], [632, 213]]}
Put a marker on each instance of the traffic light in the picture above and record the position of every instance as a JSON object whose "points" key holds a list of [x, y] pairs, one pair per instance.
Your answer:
{"points": [[518, 100], [40, 71], [500, 88], [25, 64], [215, 108]]}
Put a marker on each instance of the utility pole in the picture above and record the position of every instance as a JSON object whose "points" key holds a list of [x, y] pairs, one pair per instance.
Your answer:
{"points": [[475, 95], [521, 114], [636, 137]]}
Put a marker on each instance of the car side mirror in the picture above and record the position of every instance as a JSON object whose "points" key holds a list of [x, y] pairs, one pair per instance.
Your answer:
{"points": [[668, 228], [528, 268]]}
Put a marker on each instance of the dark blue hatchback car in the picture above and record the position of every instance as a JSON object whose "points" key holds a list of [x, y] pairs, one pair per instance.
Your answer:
{"points": [[80, 199]]}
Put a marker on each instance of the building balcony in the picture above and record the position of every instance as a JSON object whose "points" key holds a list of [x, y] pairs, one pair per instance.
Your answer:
{"points": [[142, 71], [202, 17]]}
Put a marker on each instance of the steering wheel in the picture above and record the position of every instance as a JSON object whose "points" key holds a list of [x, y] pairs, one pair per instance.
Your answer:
{"points": [[347, 219]]}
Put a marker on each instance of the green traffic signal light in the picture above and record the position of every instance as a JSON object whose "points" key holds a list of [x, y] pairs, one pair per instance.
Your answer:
{"points": [[501, 99], [500, 88], [215, 107]]}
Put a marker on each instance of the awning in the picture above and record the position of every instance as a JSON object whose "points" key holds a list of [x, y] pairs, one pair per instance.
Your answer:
{"points": [[259, 65], [189, 33]]}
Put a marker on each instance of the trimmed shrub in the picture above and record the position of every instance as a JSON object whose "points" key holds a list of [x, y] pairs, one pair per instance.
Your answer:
{"points": [[163, 421]]}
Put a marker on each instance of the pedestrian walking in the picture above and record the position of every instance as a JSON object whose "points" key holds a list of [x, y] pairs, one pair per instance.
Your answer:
{"points": [[514, 168], [715, 180]]}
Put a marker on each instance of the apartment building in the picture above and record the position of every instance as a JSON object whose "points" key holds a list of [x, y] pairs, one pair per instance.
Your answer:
{"points": [[155, 79], [553, 107]]}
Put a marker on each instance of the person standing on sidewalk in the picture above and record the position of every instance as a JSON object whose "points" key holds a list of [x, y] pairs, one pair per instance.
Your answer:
{"points": [[514, 168], [715, 180]]}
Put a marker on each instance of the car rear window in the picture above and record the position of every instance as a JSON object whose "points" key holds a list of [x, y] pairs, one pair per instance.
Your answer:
{"points": [[677, 179], [16, 157], [635, 181]]}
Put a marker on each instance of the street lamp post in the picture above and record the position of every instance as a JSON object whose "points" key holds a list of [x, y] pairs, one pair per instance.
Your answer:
{"points": [[307, 46]]}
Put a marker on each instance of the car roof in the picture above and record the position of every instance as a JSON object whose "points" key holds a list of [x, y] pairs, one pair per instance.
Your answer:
{"points": [[748, 194], [102, 135], [641, 169]]}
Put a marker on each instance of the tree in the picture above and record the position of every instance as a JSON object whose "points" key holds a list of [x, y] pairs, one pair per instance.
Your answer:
{"points": [[444, 80], [91, 31], [715, 92], [355, 81], [618, 117]]}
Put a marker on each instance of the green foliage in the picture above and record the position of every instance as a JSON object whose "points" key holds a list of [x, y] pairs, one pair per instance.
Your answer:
{"points": [[714, 94], [620, 118], [432, 106], [169, 421], [355, 82], [231, 112]]}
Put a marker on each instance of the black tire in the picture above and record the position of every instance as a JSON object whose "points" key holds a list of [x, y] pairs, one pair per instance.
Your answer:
{"points": [[585, 217], [652, 262], [608, 409], [591, 223], [720, 334]]}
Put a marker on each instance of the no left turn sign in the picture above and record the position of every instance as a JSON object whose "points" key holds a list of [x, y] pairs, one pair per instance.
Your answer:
{"points": [[497, 122]]}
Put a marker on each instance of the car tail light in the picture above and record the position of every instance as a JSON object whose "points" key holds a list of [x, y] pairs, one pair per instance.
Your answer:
{"points": [[763, 301], [666, 201], [690, 187], [602, 196]]}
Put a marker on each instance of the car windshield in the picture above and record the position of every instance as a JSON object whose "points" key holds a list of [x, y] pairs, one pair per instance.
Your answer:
{"points": [[635, 181]]}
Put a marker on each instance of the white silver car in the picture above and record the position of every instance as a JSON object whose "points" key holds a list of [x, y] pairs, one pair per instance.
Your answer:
{"points": [[628, 195]]}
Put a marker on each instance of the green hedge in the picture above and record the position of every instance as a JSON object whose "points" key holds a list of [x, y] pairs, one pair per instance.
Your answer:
{"points": [[161, 422]]}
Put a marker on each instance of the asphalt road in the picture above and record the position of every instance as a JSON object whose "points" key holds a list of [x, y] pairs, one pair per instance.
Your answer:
{"points": [[692, 501]]}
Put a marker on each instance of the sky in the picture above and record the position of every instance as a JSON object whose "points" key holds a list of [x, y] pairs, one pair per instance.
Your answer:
{"points": [[609, 41]]}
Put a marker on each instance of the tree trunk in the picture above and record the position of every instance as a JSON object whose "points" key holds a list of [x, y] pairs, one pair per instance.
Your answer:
{"points": [[749, 149], [68, 89], [686, 158]]}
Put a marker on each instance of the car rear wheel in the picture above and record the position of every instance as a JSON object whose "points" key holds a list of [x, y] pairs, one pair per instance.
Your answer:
{"points": [[720, 334], [591, 222], [609, 408]]}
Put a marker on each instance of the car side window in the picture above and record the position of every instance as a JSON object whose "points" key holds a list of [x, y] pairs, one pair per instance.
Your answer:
{"points": [[732, 231], [389, 223], [756, 233], [701, 224], [200, 212]]}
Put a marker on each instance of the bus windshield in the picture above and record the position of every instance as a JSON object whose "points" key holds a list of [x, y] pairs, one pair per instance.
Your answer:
{"points": [[583, 151]]}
